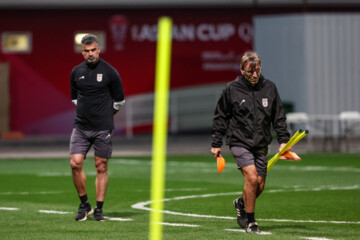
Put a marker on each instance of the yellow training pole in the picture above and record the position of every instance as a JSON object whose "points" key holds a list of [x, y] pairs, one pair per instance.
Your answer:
{"points": [[276, 157], [303, 134], [162, 76], [294, 139]]}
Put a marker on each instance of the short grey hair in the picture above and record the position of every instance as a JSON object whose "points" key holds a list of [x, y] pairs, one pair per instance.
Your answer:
{"points": [[251, 58], [89, 39]]}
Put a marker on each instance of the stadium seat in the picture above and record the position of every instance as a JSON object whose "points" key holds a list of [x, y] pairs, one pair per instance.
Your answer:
{"points": [[299, 120], [349, 125]]}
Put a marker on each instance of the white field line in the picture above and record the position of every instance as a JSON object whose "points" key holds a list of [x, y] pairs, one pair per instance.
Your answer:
{"points": [[316, 238], [30, 193], [243, 231], [208, 164], [318, 168], [184, 189], [307, 221], [315, 189], [54, 212], [168, 163], [62, 174], [9, 209], [107, 218], [54, 174], [118, 219], [14, 193], [130, 161], [143, 205], [207, 167], [177, 224], [194, 170], [177, 190]]}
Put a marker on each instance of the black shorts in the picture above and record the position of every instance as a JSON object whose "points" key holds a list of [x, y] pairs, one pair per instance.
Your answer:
{"points": [[82, 140], [244, 158]]}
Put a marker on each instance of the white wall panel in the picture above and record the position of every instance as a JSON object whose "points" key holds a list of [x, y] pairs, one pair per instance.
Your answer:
{"points": [[320, 52], [332, 56], [279, 40]]}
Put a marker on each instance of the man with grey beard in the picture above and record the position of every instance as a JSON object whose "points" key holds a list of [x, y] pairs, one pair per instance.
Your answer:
{"points": [[97, 92]]}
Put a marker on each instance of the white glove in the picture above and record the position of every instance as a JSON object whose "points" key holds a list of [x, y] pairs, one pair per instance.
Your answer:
{"points": [[117, 105]]}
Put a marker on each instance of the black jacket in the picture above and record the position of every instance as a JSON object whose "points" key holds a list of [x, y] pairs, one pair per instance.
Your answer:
{"points": [[245, 115], [95, 87]]}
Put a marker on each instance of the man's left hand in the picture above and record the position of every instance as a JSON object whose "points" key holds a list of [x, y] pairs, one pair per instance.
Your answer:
{"points": [[282, 146]]}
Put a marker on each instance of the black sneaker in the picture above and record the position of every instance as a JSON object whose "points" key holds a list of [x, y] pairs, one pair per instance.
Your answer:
{"points": [[241, 214], [252, 228], [98, 215], [83, 211]]}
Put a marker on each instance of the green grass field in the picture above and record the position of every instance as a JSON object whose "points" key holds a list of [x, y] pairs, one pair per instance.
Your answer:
{"points": [[316, 198]]}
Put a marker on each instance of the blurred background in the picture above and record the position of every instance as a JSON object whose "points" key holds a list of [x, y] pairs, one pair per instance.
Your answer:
{"points": [[309, 48]]}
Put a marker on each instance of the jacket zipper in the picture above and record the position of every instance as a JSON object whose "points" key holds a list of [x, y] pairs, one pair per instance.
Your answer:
{"points": [[255, 118]]}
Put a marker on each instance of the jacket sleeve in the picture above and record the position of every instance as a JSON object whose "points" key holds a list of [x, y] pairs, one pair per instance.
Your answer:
{"points": [[116, 87], [221, 119], [279, 120], [73, 89]]}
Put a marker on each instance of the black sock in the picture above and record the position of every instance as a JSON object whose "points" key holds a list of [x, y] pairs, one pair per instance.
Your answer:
{"points": [[99, 205], [84, 199], [250, 217]]}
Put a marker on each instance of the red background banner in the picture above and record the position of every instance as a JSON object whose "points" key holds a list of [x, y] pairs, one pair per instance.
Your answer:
{"points": [[206, 48]]}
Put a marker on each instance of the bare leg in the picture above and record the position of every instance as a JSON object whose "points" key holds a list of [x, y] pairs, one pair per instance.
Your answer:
{"points": [[101, 181], [78, 174], [250, 188], [261, 185]]}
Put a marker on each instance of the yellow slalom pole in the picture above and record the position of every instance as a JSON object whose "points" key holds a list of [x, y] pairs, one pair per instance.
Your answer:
{"points": [[276, 157], [162, 79], [290, 142], [294, 139], [303, 134]]}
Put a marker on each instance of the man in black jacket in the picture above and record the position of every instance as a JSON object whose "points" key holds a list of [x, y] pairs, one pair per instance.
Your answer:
{"points": [[247, 108], [97, 92]]}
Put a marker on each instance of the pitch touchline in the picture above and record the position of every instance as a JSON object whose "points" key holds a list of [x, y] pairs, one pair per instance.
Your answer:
{"points": [[211, 165], [108, 218], [177, 224], [63, 213], [243, 231], [315, 238], [54, 212], [143, 205], [176, 189], [9, 209], [30, 193]]}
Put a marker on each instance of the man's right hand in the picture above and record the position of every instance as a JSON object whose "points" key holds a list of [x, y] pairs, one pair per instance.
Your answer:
{"points": [[216, 152]]}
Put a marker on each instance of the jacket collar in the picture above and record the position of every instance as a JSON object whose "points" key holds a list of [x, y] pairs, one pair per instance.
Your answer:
{"points": [[241, 79]]}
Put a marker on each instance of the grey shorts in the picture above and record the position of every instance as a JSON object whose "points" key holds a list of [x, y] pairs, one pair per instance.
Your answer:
{"points": [[244, 158], [82, 140]]}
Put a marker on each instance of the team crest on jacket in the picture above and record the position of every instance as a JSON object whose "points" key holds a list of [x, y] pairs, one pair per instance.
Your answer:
{"points": [[99, 77], [265, 102]]}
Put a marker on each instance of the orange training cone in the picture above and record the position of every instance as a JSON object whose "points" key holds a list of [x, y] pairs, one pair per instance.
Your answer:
{"points": [[220, 163], [290, 156]]}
